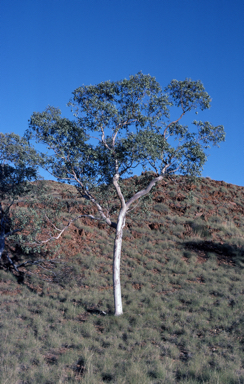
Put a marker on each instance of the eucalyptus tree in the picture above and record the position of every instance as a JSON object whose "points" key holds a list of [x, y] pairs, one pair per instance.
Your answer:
{"points": [[20, 184], [13, 179], [119, 126]]}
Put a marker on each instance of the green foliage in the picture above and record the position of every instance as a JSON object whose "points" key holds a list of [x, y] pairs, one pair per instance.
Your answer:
{"points": [[15, 174], [16, 150], [14, 181], [131, 121], [18, 165], [28, 213]]}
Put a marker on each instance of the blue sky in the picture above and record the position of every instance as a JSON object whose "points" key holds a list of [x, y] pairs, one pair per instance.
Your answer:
{"points": [[51, 47]]}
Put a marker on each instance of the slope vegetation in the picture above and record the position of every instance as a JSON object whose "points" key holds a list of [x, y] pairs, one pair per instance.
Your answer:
{"points": [[182, 286]]}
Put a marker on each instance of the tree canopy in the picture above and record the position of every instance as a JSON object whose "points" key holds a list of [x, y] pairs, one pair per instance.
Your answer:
{"points": [[18, 164]]}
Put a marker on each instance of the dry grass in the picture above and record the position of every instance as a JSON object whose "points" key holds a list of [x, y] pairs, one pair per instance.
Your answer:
{"points": [[183, 296]]}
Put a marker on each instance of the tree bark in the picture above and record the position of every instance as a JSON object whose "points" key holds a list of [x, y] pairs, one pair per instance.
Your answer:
{"points": [[118, 308], [116, 263]]}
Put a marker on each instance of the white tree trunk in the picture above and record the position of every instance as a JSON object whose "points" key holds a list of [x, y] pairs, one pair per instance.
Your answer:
{"points": [[116, 263], [119, 235]]}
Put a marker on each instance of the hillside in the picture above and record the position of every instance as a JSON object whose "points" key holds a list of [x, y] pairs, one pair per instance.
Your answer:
{"points": [[182, 287]]}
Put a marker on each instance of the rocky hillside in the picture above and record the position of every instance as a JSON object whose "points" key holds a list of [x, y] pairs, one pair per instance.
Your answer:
{"points": [[182, 291]]}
